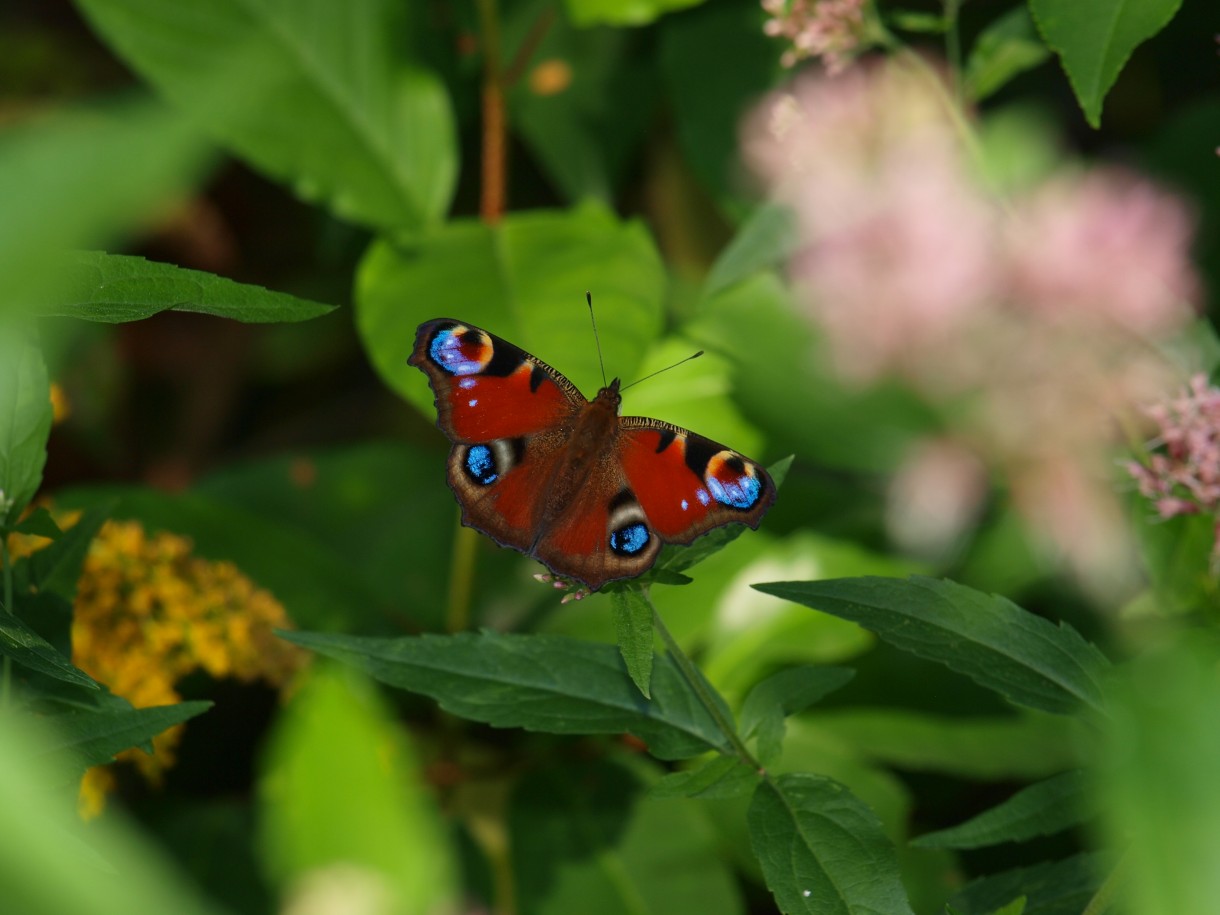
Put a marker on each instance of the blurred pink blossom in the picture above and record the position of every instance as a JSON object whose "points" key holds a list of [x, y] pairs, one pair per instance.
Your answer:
{"points": [[1027, 320], [1184, 477], [1105, 245], [829, 29]]}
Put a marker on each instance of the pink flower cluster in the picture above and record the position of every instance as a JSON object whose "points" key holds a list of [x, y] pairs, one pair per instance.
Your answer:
{"points": [[829, 29], [1027, 316], [1184, 477]]}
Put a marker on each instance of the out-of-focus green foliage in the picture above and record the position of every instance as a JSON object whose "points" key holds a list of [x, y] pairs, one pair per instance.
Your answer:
{"points": [[866, 724]]}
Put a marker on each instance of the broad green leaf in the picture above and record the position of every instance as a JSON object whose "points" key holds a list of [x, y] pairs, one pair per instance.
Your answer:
{"points": [[1005, 49], [585, 839], [112, 288], [633, 626], [822, 851], [980, 749], [583, 103], [38, 523], [1177, 554], [782, 694], [48, 862], [27, 648], [766, 239], [622, 12], [524, 280], [716, 62], [718, 777], [83, 179], [56, 568], [25, 419], [1039, 810], [1158, 779], [1095, 38], [345, 120], [540, 683], [1025, 658], [89, 738], [1051, 888], [1016, 907], [342, 796]]}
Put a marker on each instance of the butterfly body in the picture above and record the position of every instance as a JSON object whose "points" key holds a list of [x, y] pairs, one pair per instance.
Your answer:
{"points": [[538, 467]]}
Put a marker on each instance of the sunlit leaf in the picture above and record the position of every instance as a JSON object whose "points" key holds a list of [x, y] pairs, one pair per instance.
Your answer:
{"points": [[1003, 50], [540, 683]]}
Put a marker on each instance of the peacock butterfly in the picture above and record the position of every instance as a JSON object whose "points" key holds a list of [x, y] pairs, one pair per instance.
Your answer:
{"points": [[539, 468]]}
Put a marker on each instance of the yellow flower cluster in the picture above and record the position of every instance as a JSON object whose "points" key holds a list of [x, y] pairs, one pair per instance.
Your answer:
{"points": [[148, 613]]}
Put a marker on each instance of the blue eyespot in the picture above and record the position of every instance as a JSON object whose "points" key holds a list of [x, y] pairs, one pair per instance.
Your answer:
{"points": [[458, 354], [480, 464], [741, 492], [630, 539]]}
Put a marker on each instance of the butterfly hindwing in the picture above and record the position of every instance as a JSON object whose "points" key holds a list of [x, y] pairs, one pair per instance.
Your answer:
{"points": [[486, 388], [688, 484]]}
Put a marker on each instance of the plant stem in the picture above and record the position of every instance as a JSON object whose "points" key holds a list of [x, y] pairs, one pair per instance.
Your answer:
{"points": [[953, 47], [492, 197], [703, 692], [461, 576], [1105, 893], [6, 673]]}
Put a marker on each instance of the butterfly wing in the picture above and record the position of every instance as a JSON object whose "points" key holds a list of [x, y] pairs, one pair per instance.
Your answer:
{"points": [[659, 484], [687, 484], [506, 413]]}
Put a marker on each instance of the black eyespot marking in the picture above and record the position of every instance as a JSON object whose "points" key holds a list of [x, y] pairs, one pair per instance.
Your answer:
{"points": [[505, 359], [625, 497], [667, 439], [480, 465], [698, 452], [630, 539], [537, 376]]}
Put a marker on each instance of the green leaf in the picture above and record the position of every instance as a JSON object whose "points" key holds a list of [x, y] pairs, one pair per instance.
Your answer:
{"points": [[91, 738], [782, 694], [344, 120], [715, 778], [579, 106], [1023, 657], [1176, 554], [1095, 38], [1043, 809], [622, 12], [83, 179], [1050, 888], [1016, 907], [1158, 778], [112, 288], [524, 280], [540, 683], [768, 237], [980, 749], [822, 851], [584, 840], [633, 626], [916, 21], [1005, 49], [38, 523], [27, 648], [50, 863], [25, 420], [716, 62], [381, 829], [56, 569]]}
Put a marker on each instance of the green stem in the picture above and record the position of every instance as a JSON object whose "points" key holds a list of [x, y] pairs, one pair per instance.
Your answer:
{"points": [[1105, 893], [703, 692], [461, 577], [6, 674], [953, 47]]}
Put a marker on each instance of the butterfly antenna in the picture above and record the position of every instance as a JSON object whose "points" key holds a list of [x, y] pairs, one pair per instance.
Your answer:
{"points": [[659, 371], [596, 338]]}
